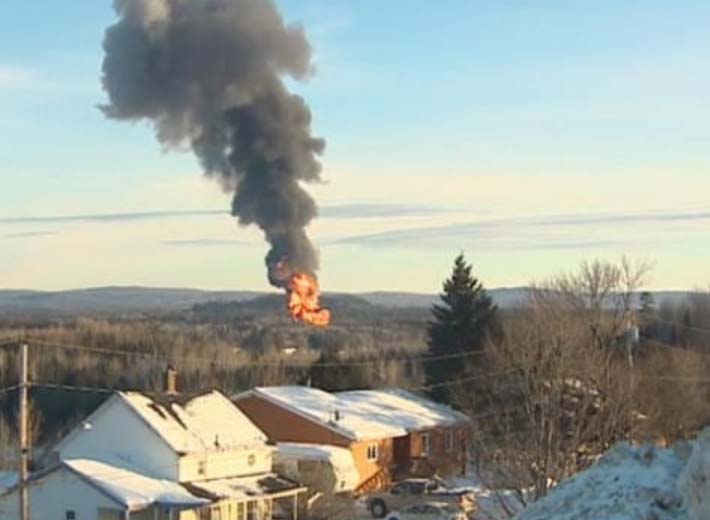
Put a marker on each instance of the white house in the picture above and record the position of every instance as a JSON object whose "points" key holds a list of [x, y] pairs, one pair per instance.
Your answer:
{"points": [[209, 458], [203, 439], [86, 489]]}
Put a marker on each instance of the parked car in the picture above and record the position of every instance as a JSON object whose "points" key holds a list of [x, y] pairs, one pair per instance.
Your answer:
{"points": [[429, 511], [416, 491]]}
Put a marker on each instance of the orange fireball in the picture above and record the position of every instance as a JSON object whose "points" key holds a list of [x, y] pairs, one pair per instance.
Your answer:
{"points": [[303, 301]]}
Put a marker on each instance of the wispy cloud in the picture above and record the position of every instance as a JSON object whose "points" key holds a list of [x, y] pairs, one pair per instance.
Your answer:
{"points": [[334, 211], [30, 234], [16, 77], [109, 217], [45, 82], [534, 232], [349, 211], [205, 242]]}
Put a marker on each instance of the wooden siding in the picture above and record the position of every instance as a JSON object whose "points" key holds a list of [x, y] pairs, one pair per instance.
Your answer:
{"points": [[439, 460], [282, 425], [366, 467]]}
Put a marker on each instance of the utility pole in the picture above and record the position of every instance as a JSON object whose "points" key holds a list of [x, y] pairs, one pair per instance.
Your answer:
{"points": [[23, 418]]}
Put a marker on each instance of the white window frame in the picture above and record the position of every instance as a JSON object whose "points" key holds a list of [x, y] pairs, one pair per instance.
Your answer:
{"points": [[373, 452], [426, 444], [449, 441]]}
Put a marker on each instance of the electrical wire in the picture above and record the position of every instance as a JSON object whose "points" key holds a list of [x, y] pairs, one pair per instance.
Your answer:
{"points": [[246, 364], [682, 326], [8, 389]]}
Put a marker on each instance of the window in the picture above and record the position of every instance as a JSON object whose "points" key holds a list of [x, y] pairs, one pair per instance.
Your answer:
{"points": [[71, 514], [252, 512], [201, 467], [425, 444], [449, 441], [372, 452], [240, 511]]}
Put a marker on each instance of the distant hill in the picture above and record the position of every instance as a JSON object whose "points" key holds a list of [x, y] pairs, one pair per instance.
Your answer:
{"points": [[137, 299], [113, 299]]}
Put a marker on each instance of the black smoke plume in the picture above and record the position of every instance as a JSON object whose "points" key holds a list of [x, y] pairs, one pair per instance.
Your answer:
{"points": [[209, 74]]}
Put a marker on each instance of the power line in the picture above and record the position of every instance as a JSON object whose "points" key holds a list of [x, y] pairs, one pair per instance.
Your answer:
{"points": [[675, 348], [679, 379], [104, 389], [8, 389], [10, 341], [90, 389], [246, 364], [462, 380], [683, 326]]}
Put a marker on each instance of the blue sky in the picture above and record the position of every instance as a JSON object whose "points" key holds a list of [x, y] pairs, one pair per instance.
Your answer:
{"points": [[530, 135]]}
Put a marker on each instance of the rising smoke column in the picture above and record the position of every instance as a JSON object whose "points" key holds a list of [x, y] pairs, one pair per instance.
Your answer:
{"points": [[208, 74]]}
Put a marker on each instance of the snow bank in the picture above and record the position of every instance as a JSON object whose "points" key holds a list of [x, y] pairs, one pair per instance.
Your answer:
{"points": [[635, 483], [694, 481], [628, 483]]}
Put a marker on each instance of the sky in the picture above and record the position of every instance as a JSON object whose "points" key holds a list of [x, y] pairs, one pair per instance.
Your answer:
{"points": [[529, 135]]}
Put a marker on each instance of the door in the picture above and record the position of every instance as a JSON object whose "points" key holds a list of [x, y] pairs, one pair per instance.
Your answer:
{"points": [[401, 448]]}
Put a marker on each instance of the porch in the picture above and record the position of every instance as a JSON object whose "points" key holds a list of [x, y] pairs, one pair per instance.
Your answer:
{"points": [[263, 497]]}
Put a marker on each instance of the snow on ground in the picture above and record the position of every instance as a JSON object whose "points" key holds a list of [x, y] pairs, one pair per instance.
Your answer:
{"points": [[627, 483], [490, 504], [694, 482]]}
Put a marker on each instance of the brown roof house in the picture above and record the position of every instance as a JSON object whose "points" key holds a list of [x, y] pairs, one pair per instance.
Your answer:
{"points": [[392, 434]]}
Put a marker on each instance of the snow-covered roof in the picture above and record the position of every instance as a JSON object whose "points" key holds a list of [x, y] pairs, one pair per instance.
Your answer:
{"points": [[245, 487], [303, 451], [133, 490], [364, 414], [206, 423]]}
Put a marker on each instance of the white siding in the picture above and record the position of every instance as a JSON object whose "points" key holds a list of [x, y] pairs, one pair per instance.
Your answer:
{"points": [[119, 437], [55, 494], [221, 464]]}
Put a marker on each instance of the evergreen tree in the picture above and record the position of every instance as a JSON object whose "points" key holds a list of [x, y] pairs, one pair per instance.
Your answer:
{"points": [[463, 322], [648, 315]]}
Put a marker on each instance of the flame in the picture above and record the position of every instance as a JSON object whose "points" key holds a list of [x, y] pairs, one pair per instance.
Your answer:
{"points": [[303, 304]]}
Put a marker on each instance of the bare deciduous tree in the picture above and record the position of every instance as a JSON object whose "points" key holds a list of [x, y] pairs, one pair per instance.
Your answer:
{"points": [[569, 394]]}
